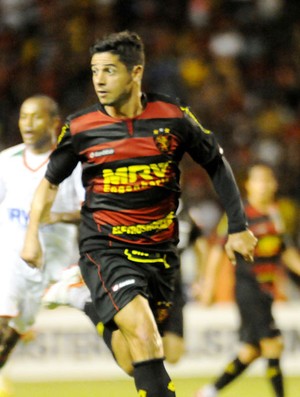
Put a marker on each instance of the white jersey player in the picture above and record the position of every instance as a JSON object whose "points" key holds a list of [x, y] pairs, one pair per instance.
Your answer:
{"points": [[21, 169]]}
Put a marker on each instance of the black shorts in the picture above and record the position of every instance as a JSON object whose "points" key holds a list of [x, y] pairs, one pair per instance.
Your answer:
{"points": [[174, 322], [116, 275], [255, 308]]}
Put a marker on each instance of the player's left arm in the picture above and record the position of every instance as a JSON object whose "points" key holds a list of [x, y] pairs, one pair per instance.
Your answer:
{"points": [[205, 150]]}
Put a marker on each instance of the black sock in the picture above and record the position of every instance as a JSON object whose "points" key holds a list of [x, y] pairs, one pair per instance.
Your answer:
{"points": [[152, 380], [232, 371], [275, 375]]}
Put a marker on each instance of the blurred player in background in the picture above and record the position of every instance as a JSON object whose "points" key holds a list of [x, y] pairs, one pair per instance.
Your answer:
{"points": [[21, 169], [256, 284]]}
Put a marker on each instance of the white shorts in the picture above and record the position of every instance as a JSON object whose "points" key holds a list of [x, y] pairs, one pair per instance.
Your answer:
{"points": [[21, 290]]}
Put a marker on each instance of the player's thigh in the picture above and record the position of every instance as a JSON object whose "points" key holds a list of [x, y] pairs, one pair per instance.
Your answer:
{"points": [[136, 318], [136, 322]]}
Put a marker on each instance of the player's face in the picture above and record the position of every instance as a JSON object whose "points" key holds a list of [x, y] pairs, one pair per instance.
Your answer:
{"points": [[261, 184], [35, 123], [112, 81]]}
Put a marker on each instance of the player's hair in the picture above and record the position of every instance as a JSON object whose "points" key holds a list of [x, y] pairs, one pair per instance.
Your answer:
{"points": [[127, 45], [51, 104]]}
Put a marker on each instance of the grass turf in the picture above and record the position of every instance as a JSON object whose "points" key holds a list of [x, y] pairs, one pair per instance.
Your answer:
{"points": [[243, 387]]}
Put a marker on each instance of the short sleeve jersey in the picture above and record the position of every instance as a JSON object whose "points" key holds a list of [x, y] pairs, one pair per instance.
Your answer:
{"points": [[18, 182]]}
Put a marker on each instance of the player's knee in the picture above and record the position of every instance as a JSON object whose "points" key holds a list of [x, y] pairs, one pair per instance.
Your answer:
{"points": [[173, 347], [272, 347], [172, 357], [149, 338], [137, 325], [249, 353], [144, 335]]}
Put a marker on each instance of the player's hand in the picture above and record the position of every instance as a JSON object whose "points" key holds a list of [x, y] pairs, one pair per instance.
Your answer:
{"points": [[243, 243], [32, 252]]}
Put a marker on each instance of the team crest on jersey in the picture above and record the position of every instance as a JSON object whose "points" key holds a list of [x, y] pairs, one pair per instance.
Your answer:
{"points": [[163, 139]]}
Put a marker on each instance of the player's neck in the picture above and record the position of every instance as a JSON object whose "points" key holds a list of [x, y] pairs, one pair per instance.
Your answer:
{"points": [[130, 109], [41, 147]]}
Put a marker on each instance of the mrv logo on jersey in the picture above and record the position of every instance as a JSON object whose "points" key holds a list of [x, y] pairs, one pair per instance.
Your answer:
{"points": [[136, 177]]}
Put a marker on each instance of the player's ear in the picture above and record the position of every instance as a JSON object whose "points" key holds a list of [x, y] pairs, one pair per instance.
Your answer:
{"points": [[137, 73]]}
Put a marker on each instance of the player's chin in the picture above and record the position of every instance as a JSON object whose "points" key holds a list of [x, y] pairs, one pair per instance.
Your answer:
{"points": [[104, 100]]}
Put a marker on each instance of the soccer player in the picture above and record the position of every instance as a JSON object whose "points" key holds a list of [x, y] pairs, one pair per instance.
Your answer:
{"points": [[22, 167], [130, 145], [256, 284]]}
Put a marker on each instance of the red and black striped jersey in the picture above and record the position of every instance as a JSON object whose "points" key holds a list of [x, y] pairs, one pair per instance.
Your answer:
{"points": [[269, 229], [270, 232], [130, 170]]}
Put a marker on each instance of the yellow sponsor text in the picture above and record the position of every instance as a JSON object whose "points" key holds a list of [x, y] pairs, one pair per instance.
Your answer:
{"points": [[135, 177], [160, 224]]}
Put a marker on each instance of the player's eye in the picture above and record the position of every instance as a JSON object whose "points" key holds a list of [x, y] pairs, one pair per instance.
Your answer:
{"points": [[111, 70]]}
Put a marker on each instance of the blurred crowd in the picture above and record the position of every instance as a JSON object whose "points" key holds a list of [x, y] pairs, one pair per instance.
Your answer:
{"points": [[235, 62]]}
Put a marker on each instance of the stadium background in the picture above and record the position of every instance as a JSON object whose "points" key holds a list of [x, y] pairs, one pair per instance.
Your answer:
{"points": [[236, 62]]}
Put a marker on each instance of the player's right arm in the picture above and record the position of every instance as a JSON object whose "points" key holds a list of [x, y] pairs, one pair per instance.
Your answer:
{"points": [[40, 208]]}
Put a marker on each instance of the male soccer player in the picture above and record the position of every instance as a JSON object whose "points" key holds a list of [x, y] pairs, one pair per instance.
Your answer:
{"points": [[256, 284], [130, 145], [21, 169]]}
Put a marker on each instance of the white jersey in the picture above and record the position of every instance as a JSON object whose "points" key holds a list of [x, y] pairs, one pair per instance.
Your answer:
{"points": [[20, 173]]}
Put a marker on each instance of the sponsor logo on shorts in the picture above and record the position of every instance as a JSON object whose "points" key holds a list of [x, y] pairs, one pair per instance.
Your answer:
{"points": [[125, 283]]}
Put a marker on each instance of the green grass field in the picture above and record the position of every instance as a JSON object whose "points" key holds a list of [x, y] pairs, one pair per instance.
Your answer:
{"points": [[244, 387]]}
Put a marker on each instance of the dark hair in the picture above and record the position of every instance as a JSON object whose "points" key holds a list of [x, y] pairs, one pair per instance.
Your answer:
{"points": [[127, 45], [50, 103]]}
